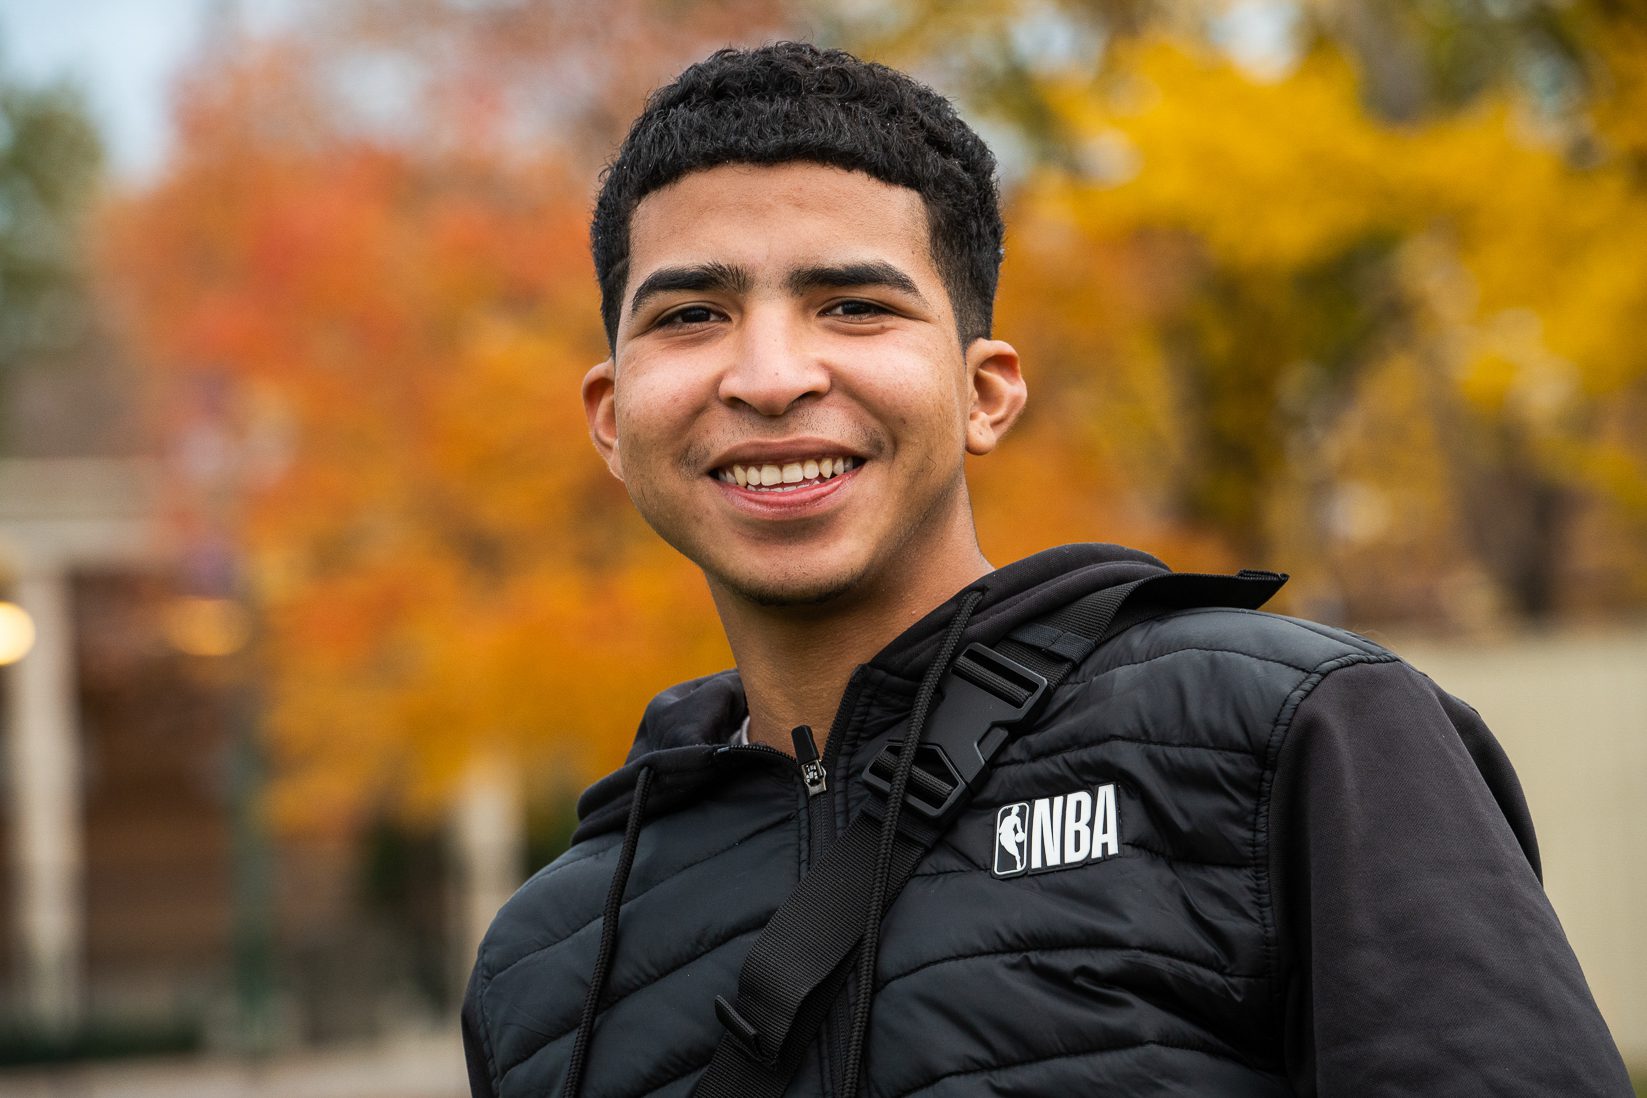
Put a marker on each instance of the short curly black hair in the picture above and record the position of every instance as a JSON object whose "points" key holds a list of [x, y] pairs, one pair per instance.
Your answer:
{"points": [[792, 101]]}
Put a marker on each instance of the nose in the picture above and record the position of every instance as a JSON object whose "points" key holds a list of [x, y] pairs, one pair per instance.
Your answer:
{"points": [[773, 366]]}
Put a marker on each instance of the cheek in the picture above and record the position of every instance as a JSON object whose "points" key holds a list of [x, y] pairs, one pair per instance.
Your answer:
{"points": [[648, 408], [664, 384], [933, 407], [659, 431]]}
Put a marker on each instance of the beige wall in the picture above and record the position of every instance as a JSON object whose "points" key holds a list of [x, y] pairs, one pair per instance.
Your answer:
{"points": [[1571, 710]]}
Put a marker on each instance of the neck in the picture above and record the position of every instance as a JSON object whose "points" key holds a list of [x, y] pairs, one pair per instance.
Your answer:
{"points": [[795, 661]]}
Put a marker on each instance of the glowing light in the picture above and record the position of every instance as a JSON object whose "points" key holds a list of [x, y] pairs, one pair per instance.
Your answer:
{"points": [[207, 627], [16, 633]]}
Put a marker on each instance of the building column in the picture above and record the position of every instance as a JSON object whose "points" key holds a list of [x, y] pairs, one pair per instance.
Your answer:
{"points": [[44, 764], [489, 833]]}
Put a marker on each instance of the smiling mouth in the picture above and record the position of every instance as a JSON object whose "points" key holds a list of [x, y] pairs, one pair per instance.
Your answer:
{"points": [[786, 476]]}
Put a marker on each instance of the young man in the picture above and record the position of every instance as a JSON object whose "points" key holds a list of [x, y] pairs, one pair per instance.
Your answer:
{"points": [[1225, 853]]}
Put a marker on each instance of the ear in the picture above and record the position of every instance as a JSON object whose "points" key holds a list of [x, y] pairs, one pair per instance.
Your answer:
{"points": [[600, 409], [998, 393]]}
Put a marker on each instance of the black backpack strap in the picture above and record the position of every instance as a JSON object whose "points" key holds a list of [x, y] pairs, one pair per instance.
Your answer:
{"points": [[797, 965]]}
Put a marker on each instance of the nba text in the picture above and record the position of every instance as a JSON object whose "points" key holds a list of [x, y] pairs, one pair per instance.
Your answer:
{"points": [[1056, 832]]}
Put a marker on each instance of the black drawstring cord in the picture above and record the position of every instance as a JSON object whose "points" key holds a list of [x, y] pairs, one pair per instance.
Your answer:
{"points": [[889, 829], [608, 936]]}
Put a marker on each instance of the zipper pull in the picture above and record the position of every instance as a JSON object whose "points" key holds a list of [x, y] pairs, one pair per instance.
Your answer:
{"points": [[806, 753]]}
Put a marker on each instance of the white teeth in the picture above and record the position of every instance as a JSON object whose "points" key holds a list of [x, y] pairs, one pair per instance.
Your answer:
{"points": [[788, 475]]}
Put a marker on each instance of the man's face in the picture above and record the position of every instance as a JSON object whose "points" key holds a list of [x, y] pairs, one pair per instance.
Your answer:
{"points": [[787, 402]]}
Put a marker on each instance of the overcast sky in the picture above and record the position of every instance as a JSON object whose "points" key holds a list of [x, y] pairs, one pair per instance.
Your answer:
{"points": [[123, 53]]}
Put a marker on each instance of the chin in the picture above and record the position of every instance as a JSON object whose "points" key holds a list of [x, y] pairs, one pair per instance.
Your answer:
{"points": [[797, 591]]}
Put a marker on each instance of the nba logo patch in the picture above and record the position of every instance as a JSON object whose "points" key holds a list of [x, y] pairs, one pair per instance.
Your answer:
{"points": [[1058, 832]]}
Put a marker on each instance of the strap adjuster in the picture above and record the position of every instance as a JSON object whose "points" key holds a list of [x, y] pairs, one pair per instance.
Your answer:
{"points": [[984, 695]]}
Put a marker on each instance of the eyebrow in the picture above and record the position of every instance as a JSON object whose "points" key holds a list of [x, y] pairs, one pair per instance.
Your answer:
{"points": [[700, 278], [727, 278], [846, 275]]}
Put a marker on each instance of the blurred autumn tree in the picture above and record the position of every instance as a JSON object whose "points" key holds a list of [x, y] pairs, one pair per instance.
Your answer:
{"points": [[1347, 288], [370, 247]]}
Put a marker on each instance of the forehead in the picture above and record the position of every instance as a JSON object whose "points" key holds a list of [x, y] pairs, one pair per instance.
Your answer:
{"points": [[759, 215]]}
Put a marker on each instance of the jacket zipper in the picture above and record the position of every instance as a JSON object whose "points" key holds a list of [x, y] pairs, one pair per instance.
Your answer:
{"points": [[821, 817], [820, 831], [813, 775]]}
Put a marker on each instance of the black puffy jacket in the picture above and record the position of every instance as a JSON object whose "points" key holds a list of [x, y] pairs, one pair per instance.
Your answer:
{"points": [[1286, 864]]}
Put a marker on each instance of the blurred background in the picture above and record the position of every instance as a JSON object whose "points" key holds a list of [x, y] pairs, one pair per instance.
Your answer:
{"points": [[317, 609]]}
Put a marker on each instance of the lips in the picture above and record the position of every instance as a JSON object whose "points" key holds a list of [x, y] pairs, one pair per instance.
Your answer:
{"points": [[785, 476]]}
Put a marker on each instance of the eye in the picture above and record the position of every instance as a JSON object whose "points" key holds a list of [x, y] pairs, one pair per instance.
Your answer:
{"points": [[690, 315], [855, 308]]}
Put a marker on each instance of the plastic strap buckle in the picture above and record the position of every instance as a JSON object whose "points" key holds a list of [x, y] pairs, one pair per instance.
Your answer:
{"points": [[984, 695]]}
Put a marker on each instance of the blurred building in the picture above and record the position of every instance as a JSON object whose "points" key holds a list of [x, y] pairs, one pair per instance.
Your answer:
{"points": [[77, 782], [78, 542], [143, 907], [1570, 709]]}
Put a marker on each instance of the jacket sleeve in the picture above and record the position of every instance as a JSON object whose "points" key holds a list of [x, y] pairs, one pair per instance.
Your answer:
{"points": [[476, 1046], [1417, 949]]}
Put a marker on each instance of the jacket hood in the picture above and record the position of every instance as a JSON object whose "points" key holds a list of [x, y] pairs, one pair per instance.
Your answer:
{"points": [[685, 726]]}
